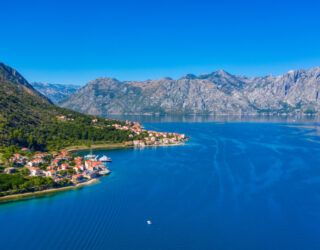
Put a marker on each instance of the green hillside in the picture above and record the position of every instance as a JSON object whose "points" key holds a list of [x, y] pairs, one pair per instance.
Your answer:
{"points": [[28, 119]]}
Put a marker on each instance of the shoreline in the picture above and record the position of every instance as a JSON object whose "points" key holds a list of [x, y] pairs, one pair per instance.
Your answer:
{"points": [[80, 148], [30, 195], [75, 149]]}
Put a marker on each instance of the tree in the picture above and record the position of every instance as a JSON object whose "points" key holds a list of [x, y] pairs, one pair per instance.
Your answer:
{"points": [[24, 171]]}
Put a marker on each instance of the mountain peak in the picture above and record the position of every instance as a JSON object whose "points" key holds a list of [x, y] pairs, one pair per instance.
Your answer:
{"points": [[221, 71], [167, 78], [102, 80], [13, 76], [189, 76]]}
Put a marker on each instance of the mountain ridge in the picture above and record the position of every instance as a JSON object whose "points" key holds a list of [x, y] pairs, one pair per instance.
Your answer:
{"points": [[13, 76], [216, 93]]}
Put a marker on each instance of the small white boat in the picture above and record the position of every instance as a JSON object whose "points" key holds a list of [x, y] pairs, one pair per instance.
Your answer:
{"points": [[149, 222], [105, 159], [91, 156]]}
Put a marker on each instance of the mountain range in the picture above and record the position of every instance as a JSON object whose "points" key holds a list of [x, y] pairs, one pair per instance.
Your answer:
{"points": [[55, 92], [217, 93]]}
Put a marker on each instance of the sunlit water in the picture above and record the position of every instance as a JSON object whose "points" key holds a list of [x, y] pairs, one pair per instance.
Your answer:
{"points": [[235, 185]]}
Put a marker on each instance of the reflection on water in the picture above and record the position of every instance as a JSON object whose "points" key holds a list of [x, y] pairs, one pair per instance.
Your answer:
{"points": [[212, 118]]}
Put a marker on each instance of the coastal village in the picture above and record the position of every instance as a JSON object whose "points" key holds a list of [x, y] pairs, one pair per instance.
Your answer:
{"points": [[146, 137], [61, 167], [149, 137], [68, 170]]}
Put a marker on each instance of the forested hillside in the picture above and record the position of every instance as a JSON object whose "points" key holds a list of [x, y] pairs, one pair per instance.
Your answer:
{"points": [[28, 119]]}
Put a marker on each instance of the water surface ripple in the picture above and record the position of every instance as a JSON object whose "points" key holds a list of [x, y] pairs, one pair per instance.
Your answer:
{"points": [[235, 185]]}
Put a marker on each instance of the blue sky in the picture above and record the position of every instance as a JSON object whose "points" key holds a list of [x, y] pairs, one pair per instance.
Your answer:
{"points": [[77, 41]]}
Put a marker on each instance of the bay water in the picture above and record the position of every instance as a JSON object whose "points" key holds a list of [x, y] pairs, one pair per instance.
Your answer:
{"points": [[234, 185]]}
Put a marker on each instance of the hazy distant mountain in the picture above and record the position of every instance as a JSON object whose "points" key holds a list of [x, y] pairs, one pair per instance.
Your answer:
{"points": [[54, 92], [215, 93]]}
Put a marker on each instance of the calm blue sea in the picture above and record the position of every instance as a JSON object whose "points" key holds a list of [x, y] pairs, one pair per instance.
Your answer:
{"points": [[235, 185]]}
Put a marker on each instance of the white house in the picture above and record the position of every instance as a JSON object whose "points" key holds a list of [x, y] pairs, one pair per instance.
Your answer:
{"points": [[51, 173], [35, 171]]}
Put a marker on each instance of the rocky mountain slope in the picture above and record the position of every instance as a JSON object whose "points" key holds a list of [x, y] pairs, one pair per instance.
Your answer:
{"points": [[216, 93], [55, 92], [11, 80]]}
